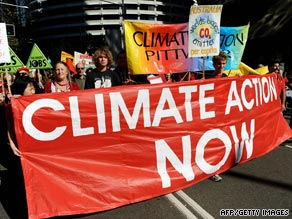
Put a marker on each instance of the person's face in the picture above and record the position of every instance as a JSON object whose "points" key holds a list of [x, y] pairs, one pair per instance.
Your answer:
{"points": [[22, 73], [103, 60], [275, 68], [219, 66], [61, 72], [29, 90], [80, 68]]}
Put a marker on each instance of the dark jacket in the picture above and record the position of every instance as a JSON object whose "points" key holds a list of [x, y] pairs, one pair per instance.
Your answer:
{"points": [[97, 79]]}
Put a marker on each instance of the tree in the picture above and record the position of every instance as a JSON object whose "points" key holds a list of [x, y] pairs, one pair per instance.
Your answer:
{"points": [[14, 15]]}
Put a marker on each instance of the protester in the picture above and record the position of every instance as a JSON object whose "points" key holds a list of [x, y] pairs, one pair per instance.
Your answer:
{"points": [[22, 86], [80, 77], [6, 80], [3, 128], [22, 71], [274, 68], [123, 72], [283, 75], [88, 70], [122, 68], [38, 78], [3, 125], [62, 80], [102, 76], [219, 63]]}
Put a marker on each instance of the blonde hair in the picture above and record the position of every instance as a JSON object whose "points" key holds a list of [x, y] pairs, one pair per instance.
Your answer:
{"points": [[67, 68]]}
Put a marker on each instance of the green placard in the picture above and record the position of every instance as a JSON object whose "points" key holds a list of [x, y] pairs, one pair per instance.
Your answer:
{"points": [[37, 60], [13, 65]]}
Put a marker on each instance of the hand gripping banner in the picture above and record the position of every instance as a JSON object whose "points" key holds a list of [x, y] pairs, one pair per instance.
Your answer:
{"points": [[98, 149]]}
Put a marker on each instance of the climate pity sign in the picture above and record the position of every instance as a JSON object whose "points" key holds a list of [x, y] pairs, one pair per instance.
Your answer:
{"points": [[89, 153], [37, 59], [160, 49]]}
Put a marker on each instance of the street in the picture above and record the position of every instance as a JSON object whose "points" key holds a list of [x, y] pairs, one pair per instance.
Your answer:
{"points": [[263, 185]]}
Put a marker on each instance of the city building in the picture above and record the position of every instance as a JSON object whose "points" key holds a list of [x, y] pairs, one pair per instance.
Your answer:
{"points": [[83, 25]]}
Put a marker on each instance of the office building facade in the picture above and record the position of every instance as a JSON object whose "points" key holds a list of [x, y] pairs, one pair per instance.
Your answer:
{"points": [[83, 25]]}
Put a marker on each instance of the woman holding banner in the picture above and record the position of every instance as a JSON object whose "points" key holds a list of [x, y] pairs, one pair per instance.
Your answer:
{"points": [[5, 90], [22, 86], [62, 80], [274, 68]]}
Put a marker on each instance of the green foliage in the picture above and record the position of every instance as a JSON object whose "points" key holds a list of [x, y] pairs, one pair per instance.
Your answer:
{"points": [[8, 13]]}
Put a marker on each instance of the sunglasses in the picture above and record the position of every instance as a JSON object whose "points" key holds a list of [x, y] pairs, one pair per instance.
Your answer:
{"points": [[80, 68]]}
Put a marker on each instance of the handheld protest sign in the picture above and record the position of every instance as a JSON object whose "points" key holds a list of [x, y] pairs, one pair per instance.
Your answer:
{"points": [[4, 51], [144, 42], [65, 56], [37, 59], [13, 65], [204, 30]]}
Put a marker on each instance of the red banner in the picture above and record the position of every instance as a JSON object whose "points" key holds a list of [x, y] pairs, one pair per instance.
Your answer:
{"points": [[94, 150]]}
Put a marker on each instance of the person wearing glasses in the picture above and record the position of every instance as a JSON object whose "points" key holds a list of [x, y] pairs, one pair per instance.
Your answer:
{"points": [[80, 77]]}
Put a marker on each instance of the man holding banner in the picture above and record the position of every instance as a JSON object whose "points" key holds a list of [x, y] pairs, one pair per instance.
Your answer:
{"points": [[274, 67]]}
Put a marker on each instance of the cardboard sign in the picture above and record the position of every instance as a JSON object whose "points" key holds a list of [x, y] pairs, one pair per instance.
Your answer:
{"points": [[204, 30], [13, 65], [37, 60], [4, 51]]}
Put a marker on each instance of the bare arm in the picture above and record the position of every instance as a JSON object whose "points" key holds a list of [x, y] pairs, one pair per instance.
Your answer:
{"points": [[13, 144]]}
